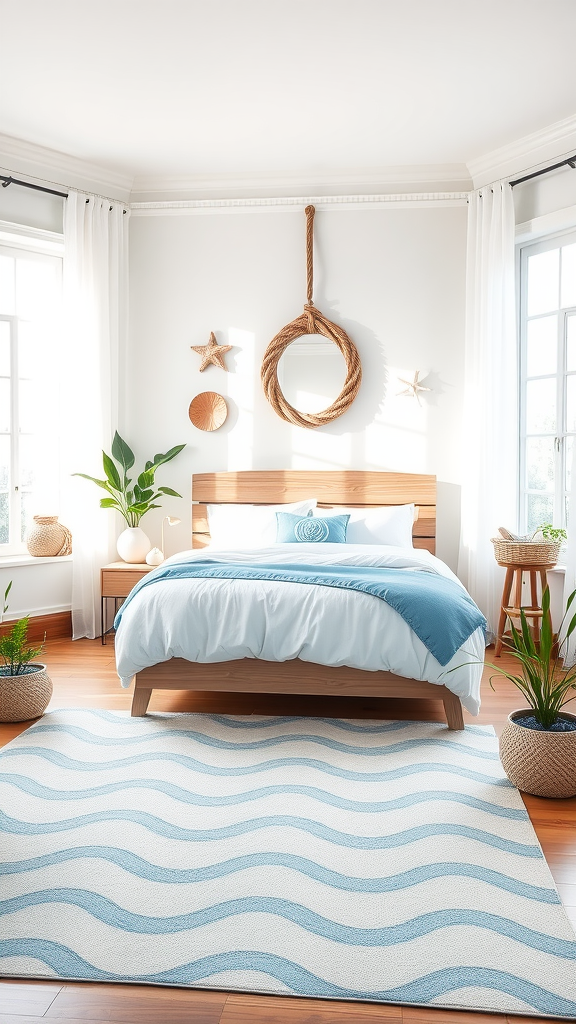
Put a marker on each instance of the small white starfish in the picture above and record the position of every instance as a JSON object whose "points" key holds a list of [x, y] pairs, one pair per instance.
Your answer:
{"points": [[413, 387]]}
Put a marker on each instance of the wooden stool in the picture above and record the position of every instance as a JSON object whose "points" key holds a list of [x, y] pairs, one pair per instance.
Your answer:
{"points": [[514, 577]]}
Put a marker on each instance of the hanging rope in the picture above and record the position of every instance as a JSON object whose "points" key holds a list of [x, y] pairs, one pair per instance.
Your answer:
{"points": [[311, 321], [310, 211]]}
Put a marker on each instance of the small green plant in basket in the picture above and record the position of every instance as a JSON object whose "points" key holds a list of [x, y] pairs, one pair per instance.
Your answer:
{"points": [[555, 534], [15, 651], [538, 743]]}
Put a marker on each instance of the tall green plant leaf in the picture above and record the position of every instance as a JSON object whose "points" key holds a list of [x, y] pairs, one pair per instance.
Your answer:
{"points": [[527, 636], [111, 472], [571, 627], [99, 483], [160, 460], [168, 490], [146, 479], [546, 632], [122, 453]]}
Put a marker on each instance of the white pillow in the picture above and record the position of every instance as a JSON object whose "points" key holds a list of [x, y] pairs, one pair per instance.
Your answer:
{"points": [[390, 524], [249, 526]]}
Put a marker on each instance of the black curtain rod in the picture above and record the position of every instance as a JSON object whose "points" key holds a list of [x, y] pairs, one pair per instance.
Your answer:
{"points": [[27, 184], [38, 188], [569, 162]]}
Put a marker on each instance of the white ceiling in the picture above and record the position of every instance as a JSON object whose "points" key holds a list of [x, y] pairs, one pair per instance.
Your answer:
{"points": [[272, 88]]}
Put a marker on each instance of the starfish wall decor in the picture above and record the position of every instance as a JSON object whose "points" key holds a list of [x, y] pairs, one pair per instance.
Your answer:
{"points": [[413, 387], [212, 353]]}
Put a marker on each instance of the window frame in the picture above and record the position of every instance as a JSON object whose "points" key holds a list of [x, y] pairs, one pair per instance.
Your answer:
{"points": [[561, 435], [45, 246]]}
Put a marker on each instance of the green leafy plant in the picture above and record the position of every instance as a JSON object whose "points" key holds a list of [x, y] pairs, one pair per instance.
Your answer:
{"points": [[542, 679], [131, 500], [15, 651], [550, 532]]}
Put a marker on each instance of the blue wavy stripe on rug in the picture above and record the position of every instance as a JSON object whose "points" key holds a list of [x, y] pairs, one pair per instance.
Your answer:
{"points": [[390, 862]]}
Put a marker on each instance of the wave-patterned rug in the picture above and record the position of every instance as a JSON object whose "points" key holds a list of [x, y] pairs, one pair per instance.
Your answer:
{"points": [[391, 862]]}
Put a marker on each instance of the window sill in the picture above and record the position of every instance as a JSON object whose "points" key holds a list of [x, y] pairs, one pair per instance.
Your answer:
{"points": [[11, 561]]}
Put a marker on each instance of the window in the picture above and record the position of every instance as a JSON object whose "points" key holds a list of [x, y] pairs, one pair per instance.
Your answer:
{"points": [[30, 291], [547, 379]]}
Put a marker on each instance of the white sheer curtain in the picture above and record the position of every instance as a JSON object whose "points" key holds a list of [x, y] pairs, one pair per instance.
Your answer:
{"points": [[570, 561], [490, 394], [95, 253]]}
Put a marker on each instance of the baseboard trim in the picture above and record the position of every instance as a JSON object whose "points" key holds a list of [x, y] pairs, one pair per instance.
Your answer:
{"points": [[57, 626]]}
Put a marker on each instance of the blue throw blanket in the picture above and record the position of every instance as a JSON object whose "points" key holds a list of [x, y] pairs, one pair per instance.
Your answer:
{"points": [[439, 611]]}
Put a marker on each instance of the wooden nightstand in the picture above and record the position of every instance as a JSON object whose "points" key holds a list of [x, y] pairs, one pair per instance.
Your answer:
{"points": [[116, 582]]}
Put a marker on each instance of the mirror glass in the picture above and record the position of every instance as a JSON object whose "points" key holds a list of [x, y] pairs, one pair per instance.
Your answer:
{"points": [[311, 373]]}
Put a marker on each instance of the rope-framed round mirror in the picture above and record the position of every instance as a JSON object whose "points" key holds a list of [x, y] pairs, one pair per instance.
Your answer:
{"points": [[310, 322]]}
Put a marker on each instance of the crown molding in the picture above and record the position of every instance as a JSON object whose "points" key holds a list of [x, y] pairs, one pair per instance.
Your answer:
{"points": [[556, 141], [180, 207], [49, 166], [159, 188]]}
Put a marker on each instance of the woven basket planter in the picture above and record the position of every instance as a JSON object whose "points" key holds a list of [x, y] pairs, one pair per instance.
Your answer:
{"points": [[24, 696], [526, 552], [541, 763]]}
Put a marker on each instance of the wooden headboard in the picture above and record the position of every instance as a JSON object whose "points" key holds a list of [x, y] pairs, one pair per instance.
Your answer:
{"points": [[331, 487]]}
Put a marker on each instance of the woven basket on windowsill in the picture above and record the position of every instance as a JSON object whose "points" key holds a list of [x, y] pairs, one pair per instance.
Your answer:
{"points": [[526, 552]]}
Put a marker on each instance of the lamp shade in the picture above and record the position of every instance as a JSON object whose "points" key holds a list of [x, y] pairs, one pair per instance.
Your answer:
{"points": [[172, 521]]}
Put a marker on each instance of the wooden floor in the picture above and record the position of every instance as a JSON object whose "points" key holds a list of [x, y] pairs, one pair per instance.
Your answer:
{"points": [[84, 675]]}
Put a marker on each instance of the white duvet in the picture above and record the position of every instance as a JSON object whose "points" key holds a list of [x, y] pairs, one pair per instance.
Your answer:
{"points": [[212, 620]]}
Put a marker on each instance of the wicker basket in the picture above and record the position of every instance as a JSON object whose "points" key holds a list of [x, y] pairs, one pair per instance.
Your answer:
{"points": [[526, 552], [541, 763], [25, 696]]}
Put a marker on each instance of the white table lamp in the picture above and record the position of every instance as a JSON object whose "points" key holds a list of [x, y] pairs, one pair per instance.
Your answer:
{"points": [[172, 521]]}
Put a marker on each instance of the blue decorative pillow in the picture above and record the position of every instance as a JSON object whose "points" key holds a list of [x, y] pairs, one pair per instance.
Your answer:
{"points": [[294, 529]]}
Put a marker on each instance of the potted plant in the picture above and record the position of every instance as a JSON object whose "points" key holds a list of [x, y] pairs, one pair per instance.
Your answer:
{"points": [[132, 499], [25, 686], [538, 743]]}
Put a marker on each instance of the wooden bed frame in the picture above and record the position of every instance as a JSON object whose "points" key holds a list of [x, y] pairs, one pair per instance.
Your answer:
{"points": [[331, 488]]}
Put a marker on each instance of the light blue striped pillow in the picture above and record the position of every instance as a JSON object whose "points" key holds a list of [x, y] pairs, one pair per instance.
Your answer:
{"points": [[293, 529]]}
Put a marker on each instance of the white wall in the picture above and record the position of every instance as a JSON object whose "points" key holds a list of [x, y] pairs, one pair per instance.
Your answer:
{"points": [[34, 209], [40, 587], [393, 277]]}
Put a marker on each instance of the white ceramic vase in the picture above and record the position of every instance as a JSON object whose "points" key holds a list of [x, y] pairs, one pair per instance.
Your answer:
{"points": [[133, 545]]}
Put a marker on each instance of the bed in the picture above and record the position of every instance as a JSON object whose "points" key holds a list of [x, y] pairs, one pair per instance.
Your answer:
{"points": [[148, 637]]}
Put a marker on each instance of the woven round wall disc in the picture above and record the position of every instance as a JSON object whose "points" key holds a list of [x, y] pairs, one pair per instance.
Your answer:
{"points": [[208, 410]]}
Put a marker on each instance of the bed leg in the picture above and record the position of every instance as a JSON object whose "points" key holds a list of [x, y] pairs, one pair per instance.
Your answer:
{"points": [[140, 700], [453, 710]]}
